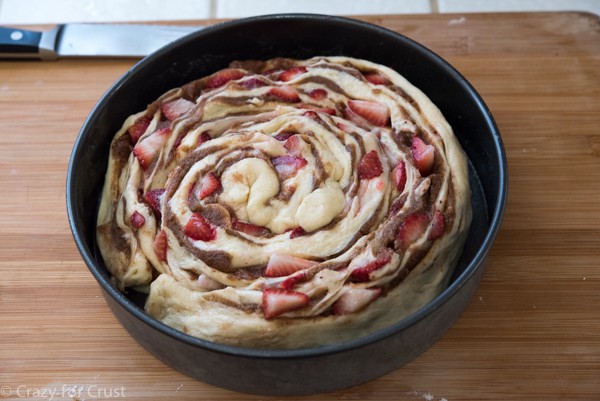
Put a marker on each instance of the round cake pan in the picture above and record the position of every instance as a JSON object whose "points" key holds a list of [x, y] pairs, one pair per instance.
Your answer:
{"points": [[296, 371]]}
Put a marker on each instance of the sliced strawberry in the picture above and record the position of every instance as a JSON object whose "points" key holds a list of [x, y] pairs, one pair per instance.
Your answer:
{"points": [[412, 229], [424, 155], [153, 198], [197, 228], [137, 220], [377, 78], [438, 226], [283, 265], [344, 127], [294, 279], [363, 273], [288, 165], [284, 135], [220, 78], [355, 299], [291, 73], [253, 83], [147, 151], [249, 228], [374, 112], [286, 93], [138, 128], [354, 118], [292, 145], [276, 301], [160, 245], [399, 174], [208, 283], [209, 184], [370, 166], [176, 108], [318, 94], [297, 232], [203, 137]]}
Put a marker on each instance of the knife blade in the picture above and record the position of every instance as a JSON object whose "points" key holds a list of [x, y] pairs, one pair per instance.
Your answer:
{"points": [[89, 40]]}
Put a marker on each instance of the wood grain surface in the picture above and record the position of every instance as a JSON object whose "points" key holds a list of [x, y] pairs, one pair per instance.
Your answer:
{"points": [[532, 332]]}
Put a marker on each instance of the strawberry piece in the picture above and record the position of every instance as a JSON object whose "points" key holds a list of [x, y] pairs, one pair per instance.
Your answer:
{"points": [[203, 137], [153, 198], [297, 232], [355, 299], [370, 166], [291, 281], [374, 112], [249, 228], [160, 245], [284, 135], [220, 78], [276, 301], [137, 220], [197, 228], [209, 184], [424, 155], [377, 78], [253, 83], [292, 145], [318, 94], [344, 127], [286, 93], [148, 150], [438, 226], [399, 174], [412, 228], [138, 128], [288, 165], [283, 265], [176, 108], [291, 73], [363, 273]]}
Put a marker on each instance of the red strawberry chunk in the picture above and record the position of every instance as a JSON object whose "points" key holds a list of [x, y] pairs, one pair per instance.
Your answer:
{"points": [[253, 83], [276, 301], [147, 151], [138, 128], [197, 228], [222, 77], [291, 73], [292, 280], [137, 220], [412, 228], [318, 94], [374, 112], [153, 198], [370, 166], [297, 232], [355, 299], [283, 265], [203, 137], [377, 78], [399, 174], [292, 145], [176, 108], [424, 156], [438, 226], [249, 228], [286, 93], [160, 245], [288, 165], [363, 273], [209, 184]]}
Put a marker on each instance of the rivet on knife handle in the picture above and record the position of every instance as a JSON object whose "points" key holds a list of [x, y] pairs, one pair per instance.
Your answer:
{"points": [[16, 43]]}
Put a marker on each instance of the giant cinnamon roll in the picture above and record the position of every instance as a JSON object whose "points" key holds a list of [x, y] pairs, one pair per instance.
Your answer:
{"points": [[285, 203]]}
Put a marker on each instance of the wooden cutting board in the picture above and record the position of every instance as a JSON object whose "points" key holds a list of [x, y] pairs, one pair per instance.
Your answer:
{"points": [[532, 331]]}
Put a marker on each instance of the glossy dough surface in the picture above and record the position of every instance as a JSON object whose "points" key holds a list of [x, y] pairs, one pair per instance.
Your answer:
{"points": [[286, 203]]}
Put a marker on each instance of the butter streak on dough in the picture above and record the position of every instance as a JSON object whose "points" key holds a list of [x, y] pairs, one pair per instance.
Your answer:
{"points": [[336, 162]]}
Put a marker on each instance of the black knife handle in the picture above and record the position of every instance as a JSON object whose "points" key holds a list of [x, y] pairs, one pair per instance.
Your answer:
{"points": [[19, 41]]}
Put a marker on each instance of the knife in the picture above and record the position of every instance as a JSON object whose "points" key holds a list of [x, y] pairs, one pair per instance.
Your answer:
{"points": [[89, 40]]}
